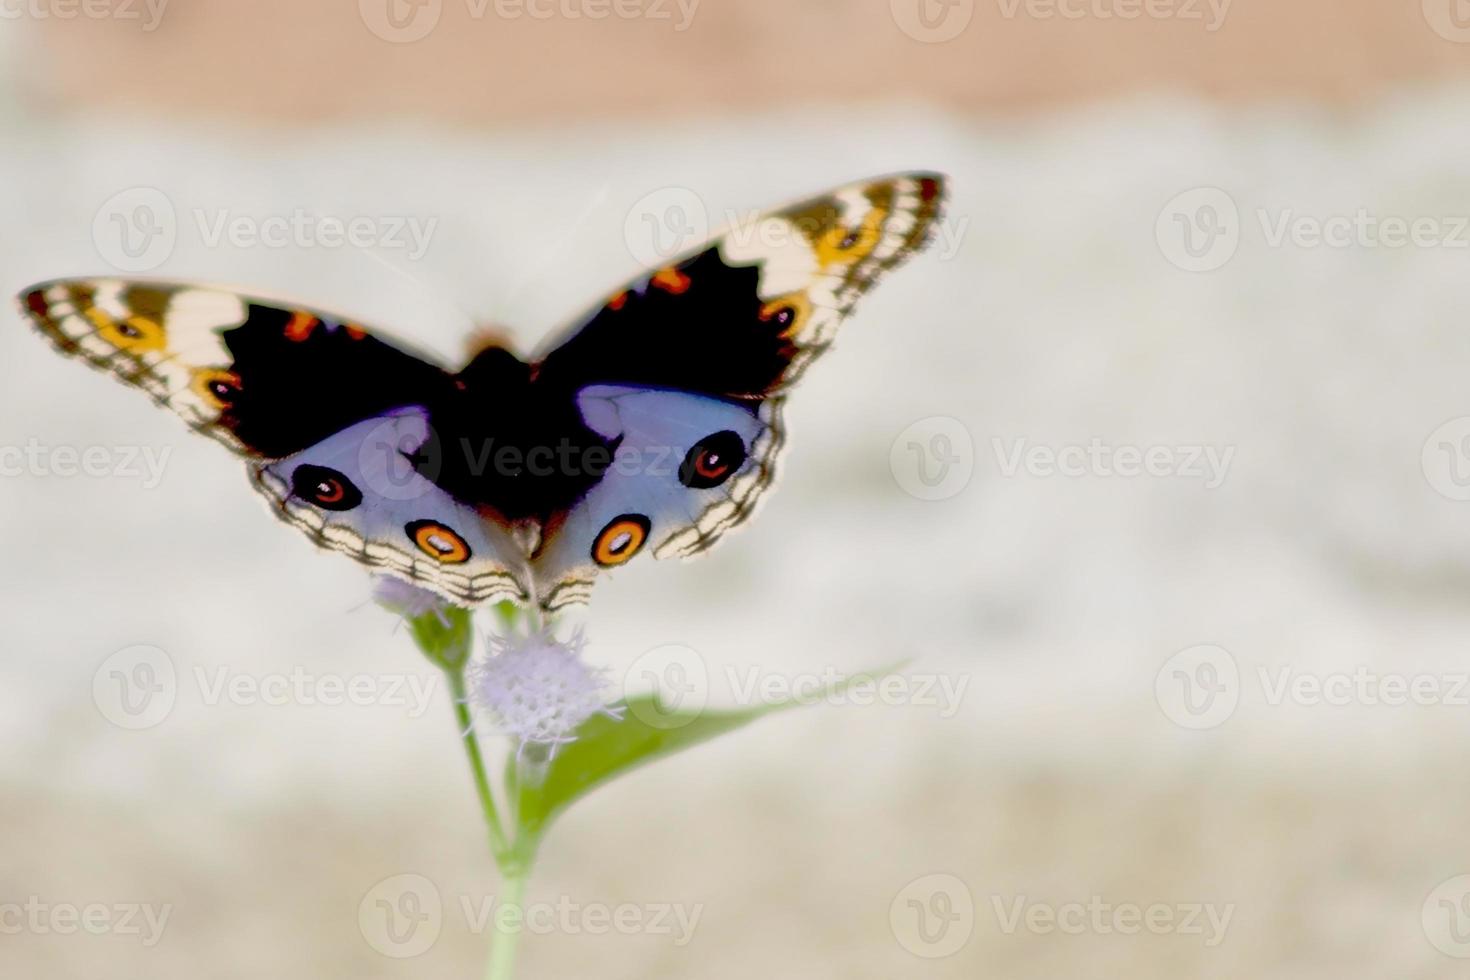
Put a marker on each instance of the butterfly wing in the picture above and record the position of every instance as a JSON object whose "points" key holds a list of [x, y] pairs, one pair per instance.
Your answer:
{"points": [[264, 378], [300, 394], [684, 468], [367, 492], [706, 349]]}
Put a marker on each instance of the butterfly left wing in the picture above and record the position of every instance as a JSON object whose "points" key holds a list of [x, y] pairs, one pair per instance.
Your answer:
{"points": [[368, 492], [263, 377], [693, 362], [333, 422]]}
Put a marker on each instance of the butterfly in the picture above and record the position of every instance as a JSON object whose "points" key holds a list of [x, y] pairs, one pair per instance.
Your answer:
{"points": [[654, 424]]}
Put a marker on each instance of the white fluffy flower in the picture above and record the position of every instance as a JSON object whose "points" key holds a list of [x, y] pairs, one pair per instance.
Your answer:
{"points": [[537, 689]]}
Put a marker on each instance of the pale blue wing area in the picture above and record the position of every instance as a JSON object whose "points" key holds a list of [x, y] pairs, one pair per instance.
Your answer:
{"points": [[359, 492], [686, 469]]}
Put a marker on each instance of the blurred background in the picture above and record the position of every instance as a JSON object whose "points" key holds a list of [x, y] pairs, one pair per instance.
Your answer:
{"points": [[1157, 465]]}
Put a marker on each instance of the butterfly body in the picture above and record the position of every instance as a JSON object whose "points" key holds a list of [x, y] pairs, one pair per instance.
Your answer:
{"points": [[653, 425]]}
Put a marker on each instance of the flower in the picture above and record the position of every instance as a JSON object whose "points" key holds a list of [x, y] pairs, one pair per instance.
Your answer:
{"points": [[538, 689], [406, 599]]}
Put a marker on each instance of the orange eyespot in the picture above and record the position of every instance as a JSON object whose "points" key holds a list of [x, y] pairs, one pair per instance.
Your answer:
{"points": [[623, 538], [843, 245], [788, 312], [216, 387], [439, 542], [133, 334]]}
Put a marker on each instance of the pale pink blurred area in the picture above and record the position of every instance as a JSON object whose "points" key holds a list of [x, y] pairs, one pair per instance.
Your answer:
{"points": [[523, 61], [1128, 259]]}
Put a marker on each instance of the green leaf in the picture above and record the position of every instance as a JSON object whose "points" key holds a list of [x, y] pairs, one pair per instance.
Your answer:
{"points": [[606, 748], [446, 636]]}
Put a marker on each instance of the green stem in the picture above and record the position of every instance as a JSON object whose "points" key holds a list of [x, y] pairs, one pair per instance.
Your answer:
{"points": [[499, 846], [503, 949]]}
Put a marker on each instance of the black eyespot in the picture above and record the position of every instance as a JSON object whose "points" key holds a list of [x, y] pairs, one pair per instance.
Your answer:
{"points": [[128, 330], [848, 241], [712, 461], [326, 488], [784, 316]]}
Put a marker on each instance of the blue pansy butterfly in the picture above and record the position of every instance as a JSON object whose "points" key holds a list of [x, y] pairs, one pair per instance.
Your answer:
{"points": [[654, 425]]}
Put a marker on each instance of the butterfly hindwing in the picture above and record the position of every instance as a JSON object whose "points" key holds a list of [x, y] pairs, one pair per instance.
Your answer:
{"points": [[685, 468], [367, 492]]}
